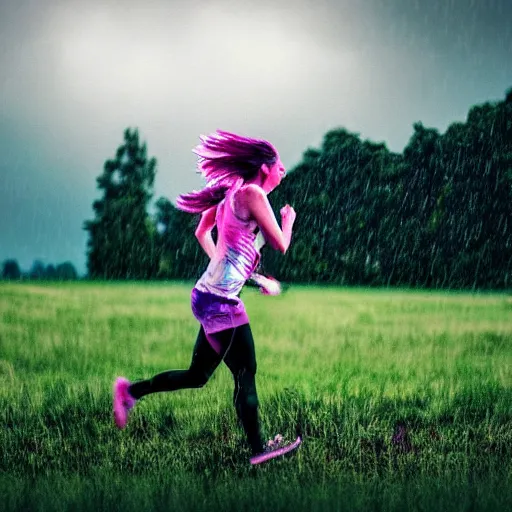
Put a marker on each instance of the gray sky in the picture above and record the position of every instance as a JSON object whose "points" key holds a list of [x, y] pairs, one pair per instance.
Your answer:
{"points": [[75, 73]]}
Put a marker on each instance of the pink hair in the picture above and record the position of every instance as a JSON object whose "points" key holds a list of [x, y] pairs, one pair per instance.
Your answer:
{"points": [[223, 158]]}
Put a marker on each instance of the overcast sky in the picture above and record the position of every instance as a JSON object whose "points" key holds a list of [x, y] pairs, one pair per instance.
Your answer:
{"points": [[75, 73]]}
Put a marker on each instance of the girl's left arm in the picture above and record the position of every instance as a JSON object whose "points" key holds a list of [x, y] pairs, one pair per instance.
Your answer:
{"points": [[204, 231]]}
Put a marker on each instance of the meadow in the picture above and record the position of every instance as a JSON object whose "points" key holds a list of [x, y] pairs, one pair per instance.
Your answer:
{"points": [[403, 399]]}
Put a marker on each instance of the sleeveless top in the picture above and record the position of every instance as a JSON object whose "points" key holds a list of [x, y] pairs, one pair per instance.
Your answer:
{"points": [[237, 253]]}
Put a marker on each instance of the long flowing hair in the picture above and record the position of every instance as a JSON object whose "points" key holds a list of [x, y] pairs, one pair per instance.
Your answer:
{"points": [[224, 158]]}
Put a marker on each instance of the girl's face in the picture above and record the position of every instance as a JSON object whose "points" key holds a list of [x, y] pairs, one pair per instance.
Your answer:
{"points": [[273, 175]]}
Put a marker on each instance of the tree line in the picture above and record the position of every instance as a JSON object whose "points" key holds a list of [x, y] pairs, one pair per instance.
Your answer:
{"points": [[437, 215], [61, 272]]}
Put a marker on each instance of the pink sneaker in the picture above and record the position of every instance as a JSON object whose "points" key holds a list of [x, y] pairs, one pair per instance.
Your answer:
{"points": [[275, 448], [122, 402]]}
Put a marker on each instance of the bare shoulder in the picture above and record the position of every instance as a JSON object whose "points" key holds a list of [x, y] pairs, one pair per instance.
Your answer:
{"points": [[247, 199], [251, 193]]}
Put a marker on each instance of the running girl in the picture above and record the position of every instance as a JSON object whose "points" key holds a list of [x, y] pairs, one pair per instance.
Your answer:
{"points": [[239, 173]]}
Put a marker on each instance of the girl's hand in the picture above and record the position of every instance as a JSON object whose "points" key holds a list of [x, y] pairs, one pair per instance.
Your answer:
{"points": [[271, 287], [288, 214], [268, 285]]}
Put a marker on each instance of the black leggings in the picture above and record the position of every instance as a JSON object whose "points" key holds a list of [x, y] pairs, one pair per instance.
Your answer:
{"points": [[237, 349]]}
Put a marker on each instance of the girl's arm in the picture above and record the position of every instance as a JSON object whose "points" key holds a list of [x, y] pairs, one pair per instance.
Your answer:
{"points": [[257, 204], [204, 231]]}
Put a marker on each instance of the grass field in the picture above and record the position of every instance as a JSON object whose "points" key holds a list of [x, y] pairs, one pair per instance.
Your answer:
{"points": [[345, 368]]}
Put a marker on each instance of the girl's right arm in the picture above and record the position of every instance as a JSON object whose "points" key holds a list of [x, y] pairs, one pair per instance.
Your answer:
{"points": [[259, 207]]}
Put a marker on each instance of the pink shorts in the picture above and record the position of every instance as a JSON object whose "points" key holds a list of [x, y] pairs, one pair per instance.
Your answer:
{"points": [[216, 313]]}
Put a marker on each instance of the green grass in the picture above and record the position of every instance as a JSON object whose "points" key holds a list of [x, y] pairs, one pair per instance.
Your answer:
{"points": [[341, 366]]}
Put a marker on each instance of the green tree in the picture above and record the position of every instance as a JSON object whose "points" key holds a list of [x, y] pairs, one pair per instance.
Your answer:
{"points": [[11, 270], [421, 179], [66, 271], [339, 193], [121, 241], [38, 270], [50, 272], [180, 255], [477, 203]]}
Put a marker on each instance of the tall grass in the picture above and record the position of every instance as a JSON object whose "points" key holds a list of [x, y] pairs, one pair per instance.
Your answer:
{"points": [[403, 399]]}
